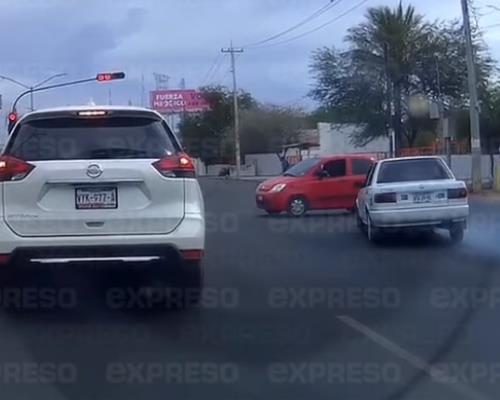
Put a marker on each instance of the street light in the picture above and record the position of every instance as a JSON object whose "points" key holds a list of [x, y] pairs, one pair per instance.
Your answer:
{"points": [[32, 87]]}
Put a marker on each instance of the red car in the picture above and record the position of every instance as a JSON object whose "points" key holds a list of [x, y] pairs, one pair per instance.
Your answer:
{"points": [[315, 184]]}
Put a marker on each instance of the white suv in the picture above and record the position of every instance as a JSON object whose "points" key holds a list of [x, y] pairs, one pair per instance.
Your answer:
{"points": [[100, 185]]}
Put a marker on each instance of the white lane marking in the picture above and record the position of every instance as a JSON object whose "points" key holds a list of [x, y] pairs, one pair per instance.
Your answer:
{"points": [[436, 374]]}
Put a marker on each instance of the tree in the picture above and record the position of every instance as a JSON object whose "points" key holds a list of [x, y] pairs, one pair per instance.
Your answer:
{"points": [[209, 135], [266, 128], [393, 56], [390, 41], [489, 120], [349, 92]]}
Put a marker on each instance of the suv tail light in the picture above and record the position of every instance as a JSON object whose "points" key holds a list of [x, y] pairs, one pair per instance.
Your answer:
{"points": [[13, 169], [385, 198], [176, 166], [460, 193], [192, 255]]}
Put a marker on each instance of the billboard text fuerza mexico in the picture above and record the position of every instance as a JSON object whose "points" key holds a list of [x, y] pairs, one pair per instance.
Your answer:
{"points": [[178, 101]]}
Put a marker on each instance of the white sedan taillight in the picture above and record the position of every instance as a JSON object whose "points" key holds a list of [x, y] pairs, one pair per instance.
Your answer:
{"points": [[14, 169]]}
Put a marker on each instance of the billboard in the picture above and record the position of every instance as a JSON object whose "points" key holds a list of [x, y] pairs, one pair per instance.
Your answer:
{"points": [[178, 101]]}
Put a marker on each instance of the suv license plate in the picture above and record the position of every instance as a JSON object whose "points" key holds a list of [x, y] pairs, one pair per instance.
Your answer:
{"points": [[96, 198], [425, 197]]}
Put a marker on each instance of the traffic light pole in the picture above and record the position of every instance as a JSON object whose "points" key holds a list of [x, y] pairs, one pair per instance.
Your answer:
{"points": [[103, 77], [39, 89]]}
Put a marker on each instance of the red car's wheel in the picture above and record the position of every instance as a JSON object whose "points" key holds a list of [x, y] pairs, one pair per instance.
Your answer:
{"points": [[297, 206]]}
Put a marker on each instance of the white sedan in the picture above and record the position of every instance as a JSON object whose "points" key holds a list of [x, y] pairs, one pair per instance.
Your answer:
{"points": [[412, 192]]}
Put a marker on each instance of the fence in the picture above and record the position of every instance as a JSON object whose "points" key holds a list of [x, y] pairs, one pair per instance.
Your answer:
{"points": [[438, 147]]}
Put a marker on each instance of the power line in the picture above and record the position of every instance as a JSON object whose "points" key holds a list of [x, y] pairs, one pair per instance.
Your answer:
{"points": [[295, 101], [215, 70], [311, 17], [318, 27], [210, 70], [228, 71], [475, 14]]}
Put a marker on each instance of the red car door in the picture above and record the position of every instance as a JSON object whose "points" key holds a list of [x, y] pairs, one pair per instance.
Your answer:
{"points": [[357, 170], [332, 189], [312, 186]]}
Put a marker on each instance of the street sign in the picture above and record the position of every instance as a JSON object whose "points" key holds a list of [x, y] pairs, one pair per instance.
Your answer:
{"points": [[178, 101]]}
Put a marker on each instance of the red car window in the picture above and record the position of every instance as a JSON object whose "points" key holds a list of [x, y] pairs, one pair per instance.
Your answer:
{"points": [[335, 168]]}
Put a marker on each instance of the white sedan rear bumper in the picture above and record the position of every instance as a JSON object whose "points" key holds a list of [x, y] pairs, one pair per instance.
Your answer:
{"points": [[431, 216]]}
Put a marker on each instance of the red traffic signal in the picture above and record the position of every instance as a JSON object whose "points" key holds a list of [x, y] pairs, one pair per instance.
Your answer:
{"points": [[110, 76], [12, 118]]}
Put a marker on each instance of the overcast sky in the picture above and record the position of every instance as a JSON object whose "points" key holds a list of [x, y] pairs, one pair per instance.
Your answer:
{"points": [[181, 38]]}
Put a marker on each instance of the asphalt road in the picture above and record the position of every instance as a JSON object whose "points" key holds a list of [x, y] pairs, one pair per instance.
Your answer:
{"points": [[294, 309]]}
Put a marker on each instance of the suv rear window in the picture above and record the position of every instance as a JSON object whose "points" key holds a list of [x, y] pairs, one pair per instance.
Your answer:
{"points": [[93, 138], [411, 170]]}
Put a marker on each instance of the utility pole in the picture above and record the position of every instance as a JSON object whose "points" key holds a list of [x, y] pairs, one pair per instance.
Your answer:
{"points": [[393, 144], [232, 50], [475, 138]]}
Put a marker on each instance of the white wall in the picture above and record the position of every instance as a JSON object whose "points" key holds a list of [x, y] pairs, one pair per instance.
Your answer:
{"points": [[213, 170], [337, 139], [245, 170], [266, 164], [201, 170], [461, 165]]}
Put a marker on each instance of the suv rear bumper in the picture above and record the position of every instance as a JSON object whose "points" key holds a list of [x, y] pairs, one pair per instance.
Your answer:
{"points": [[189, 235], [25, 256]]}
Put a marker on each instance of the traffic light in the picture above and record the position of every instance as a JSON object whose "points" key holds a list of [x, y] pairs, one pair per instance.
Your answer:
{"points": [[12, 117], [110, 76]]}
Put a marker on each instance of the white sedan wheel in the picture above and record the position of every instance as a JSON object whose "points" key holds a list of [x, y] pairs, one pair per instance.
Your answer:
{"points": [[372, 232]]}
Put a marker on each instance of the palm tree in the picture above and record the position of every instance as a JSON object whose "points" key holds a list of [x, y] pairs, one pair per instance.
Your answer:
{"points": [[390, 41]]}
